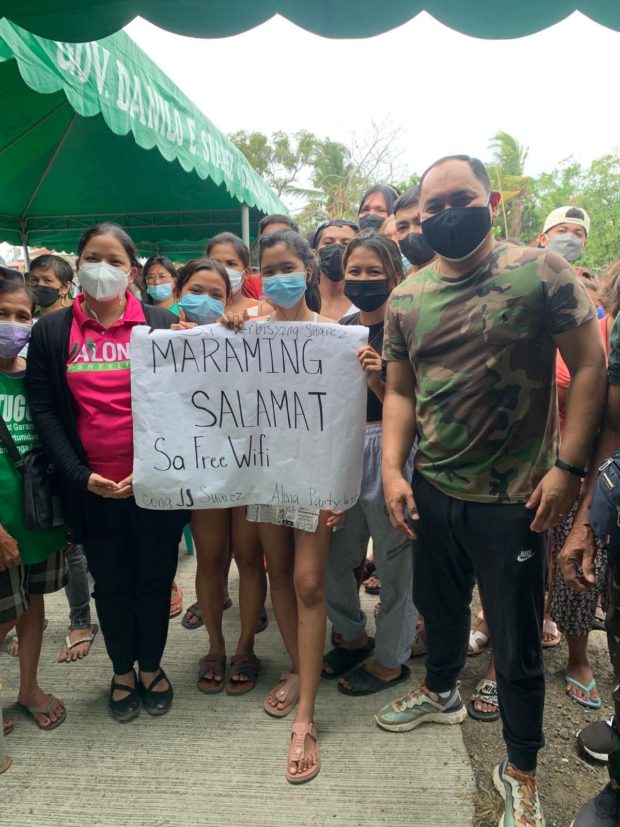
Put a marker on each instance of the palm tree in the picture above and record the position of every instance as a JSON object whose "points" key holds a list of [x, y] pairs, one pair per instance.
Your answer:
{"points": [[506, 171]]}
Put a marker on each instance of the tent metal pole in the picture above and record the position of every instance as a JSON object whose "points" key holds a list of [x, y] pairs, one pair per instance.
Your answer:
{"points": [[245, 224], [24, 240]]}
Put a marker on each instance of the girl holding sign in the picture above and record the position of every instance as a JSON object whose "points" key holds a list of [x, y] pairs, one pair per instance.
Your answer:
{"points": [[203, 289], [233, 254], [296, 544], [373, 268], [78, 381]]}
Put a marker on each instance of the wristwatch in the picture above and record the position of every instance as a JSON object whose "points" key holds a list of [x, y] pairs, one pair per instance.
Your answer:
{"points": [[572, 469]]}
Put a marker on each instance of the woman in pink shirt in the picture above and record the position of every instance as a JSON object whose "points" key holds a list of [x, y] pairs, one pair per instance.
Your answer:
{"points": [[79, 380]]}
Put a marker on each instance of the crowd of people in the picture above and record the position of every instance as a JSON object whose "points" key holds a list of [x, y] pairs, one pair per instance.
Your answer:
{"points": [[487, 387]]}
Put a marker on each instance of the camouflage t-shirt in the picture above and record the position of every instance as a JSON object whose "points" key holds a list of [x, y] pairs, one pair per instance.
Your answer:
{"points": [[483, 355]]}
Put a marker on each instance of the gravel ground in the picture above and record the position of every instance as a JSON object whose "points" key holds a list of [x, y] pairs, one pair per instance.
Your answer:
{"points": [[566, 780]]}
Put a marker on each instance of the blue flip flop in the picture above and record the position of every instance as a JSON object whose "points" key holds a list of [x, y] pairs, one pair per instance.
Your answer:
{"points": [[590, 703]]}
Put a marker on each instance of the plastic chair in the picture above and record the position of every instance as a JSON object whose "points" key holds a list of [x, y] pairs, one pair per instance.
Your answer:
{"points": [[189, 540]]}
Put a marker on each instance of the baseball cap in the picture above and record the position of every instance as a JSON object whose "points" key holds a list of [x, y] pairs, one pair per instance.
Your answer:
{"points": [[567, 215]]}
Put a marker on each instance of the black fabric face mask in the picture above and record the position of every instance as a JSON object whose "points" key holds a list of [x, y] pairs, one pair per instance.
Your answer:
{"points": [[331, 261], [457, 232], [416, 248], [372, 221], [367, 294], [45, 296]]}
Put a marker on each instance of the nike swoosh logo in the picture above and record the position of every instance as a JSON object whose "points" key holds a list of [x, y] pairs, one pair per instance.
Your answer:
{"points": [[525, 555]]}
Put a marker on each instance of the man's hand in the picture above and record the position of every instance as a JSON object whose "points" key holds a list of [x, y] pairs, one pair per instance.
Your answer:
{"points": [[400, 503], [578, 553], [9, 551], [553, 498]]}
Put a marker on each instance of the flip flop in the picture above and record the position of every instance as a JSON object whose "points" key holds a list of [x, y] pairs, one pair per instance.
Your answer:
{"points": [[588, 702], [343, 660], [86, 639], [375, 588], [45, 710], [217, 665], [263, 622], [288, 685], [599, 619], [478, 642], [296, 752], [551, 629], [194, 609], [365, 683], [7, 726], [486, 691], [176, 602], [246, 665]]}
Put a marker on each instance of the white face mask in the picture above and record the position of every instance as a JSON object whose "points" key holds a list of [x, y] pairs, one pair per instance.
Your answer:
{"points": [[102, 281], [236, 279]]}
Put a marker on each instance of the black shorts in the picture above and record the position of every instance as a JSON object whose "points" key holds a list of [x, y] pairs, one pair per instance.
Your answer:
{"points": [[18, 582]]}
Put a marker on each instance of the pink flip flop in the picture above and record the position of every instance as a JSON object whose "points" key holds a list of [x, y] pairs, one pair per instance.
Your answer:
{"points": [[297, 750], [286, 692]]}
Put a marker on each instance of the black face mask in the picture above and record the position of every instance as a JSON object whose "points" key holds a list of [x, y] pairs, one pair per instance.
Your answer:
{"points": [[416, 248], [331, 261], [456, 233], [367, 294], [45, 296], [372, 221]]}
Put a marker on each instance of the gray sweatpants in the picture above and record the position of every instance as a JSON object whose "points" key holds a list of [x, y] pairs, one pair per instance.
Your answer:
{"points": [[393, 555]]}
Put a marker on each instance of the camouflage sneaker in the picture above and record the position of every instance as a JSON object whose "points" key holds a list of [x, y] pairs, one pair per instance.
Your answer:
{"points": [[519, 791], [421, 706]]}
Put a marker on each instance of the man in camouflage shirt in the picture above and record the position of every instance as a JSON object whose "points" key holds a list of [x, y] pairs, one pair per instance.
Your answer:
{"points": [[470, 343]]}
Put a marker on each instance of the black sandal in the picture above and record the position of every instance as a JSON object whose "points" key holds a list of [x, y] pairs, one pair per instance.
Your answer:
{"points": [[343, 660], [157, 703], [128, 707]]}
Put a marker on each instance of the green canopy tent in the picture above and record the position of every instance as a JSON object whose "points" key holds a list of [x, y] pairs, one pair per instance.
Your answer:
{"points": [[76, 20], [95, 131]]}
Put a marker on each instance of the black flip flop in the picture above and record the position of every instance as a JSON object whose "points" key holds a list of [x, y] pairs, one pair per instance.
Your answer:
{"points": [[367, 684], [343, 660]]}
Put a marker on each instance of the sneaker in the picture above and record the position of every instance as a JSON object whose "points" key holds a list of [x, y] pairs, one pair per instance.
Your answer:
{"points": [[602, 811], [595, 740], [519, 791], [421, 706]]}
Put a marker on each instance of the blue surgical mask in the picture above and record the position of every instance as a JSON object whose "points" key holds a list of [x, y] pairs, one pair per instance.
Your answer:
{"points": [[160, 292], [407, 265], [201, 309], [284, 291]]}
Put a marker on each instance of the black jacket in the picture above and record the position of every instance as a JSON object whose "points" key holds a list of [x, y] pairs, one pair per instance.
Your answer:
{"points": [[54, 411]]}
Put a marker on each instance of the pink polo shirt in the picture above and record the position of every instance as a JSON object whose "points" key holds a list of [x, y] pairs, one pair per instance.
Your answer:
{"points": [[98, 374]]}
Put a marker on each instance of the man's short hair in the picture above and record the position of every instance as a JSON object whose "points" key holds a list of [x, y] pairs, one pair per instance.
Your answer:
{"points": [[476, 166], [408, 199]]}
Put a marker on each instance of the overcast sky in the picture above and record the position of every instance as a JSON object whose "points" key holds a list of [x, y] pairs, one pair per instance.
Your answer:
{"points": [[555, 91]]}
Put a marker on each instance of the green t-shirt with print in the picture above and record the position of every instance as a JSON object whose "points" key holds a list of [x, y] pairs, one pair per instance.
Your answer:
{"points": [[34, 546], [483, 355]]}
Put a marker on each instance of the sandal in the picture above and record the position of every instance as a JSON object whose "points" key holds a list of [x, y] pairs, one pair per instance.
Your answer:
{"points": [[215, 664], [418, 646], [550, 628], [176, 601], [63, 657], [486, 691], [478, 642], [297, 750], [7, 726], [247, 666], [343, 660], [365, 683], [599, 619], [194, 610], [589, 702], [372, 585], [286, 692], [45, 710]]}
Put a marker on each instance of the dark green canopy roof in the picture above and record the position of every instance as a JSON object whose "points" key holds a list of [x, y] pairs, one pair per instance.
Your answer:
{"points": [[96, 131], [75, 20]]}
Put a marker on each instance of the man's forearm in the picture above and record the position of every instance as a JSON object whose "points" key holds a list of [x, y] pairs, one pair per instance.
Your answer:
{"points": [[399, 423]]}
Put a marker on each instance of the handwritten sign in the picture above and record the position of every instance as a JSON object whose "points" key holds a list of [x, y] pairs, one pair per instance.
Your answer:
{"points": [[272, 415]]}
